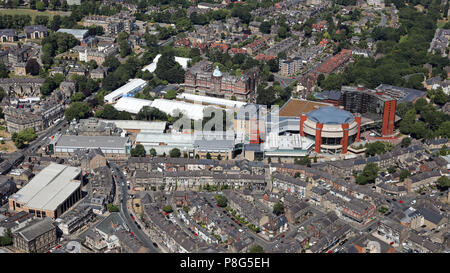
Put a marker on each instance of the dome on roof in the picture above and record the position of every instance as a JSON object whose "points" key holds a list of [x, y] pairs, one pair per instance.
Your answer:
{"points": [[330, 115], [217, 72]]}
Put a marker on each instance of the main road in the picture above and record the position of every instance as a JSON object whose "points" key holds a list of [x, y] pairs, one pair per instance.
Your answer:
{"points": [[121, 185], [42, 138]]}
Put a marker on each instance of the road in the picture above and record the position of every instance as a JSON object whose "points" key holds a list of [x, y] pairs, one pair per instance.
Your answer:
{"points": [[383, 20], [42, 138], [257, 239], [140, 235]]}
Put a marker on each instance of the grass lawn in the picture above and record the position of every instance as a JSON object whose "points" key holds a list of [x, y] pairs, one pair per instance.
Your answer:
{"points": [[403, 38], [33, 13], [441, 23]]}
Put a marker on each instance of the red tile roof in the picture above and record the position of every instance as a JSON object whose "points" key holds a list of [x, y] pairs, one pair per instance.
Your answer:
{"points": [[335, 61], [222, 47]]}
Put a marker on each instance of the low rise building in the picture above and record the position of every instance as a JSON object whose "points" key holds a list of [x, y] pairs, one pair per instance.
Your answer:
{"points": [[75, 219], [38, 236], [50, 193], [35, 31], [113, 147]]}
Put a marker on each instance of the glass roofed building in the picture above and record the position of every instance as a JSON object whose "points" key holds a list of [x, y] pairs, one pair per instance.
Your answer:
{"points": [[331, 128]]}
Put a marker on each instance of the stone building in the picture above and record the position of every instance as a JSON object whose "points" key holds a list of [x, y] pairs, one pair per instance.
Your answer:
{"points": [[35, 31], [37, 237], [8, 35], [18, 119], [68, 88], [88, 159], [22, 87]]}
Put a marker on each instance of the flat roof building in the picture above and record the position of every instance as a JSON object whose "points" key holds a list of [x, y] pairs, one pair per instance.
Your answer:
{"points": [[295, 107], [111, 146], [232, 104], [133, 86], [163, 143], [173, 107], [288, 146], [131, 105], [50, 193], [138, 126], [80, 34]]}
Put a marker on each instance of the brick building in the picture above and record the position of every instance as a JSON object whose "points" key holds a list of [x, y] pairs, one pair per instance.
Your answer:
{"points": [[202, 80]]}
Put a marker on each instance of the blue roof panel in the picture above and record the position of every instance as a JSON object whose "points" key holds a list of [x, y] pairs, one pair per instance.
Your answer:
{"points": [[330, 115]]}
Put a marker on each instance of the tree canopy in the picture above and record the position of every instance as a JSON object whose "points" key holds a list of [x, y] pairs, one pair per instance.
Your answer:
{"points": [[368, 174], [138, 151], [278, 208], [78, 110], [221, 200]]}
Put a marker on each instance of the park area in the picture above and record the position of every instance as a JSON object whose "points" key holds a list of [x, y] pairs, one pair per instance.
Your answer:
{"points": [[33, 13]]}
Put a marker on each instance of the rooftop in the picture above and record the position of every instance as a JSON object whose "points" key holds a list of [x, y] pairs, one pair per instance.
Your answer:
{"points": [[330, 115], [296, 107], [36, 228], [49, 188], [130, 86], [131, 105], [92, 142]]}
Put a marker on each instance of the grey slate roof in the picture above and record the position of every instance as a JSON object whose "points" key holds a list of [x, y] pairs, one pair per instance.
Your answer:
{"points": [[92, 141], [36, 228], [430, 215]]}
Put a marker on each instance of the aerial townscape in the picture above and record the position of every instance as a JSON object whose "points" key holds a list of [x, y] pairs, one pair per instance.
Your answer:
{"points": [[220, 126]]}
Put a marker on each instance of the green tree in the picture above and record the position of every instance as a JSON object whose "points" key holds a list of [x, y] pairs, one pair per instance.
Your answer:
{"points": [[22, 137], [40, 6], [138, 151], [282, 32], [278, 208], [368, 174], [78, 96], [152, 152], [405, 173], [108, 112], [256, 249], [169, 70], [265, 96], [4, 72], [273, 65], [2, 93], [265, 27], [376, 148], [175, 152], [392, 169], [221, 201], [208, 155], [124, 48], [41, 20], [78, 110], [167, 208], [405, 142], [171, 95], [111, 62], [32, 67], [112, 207], [6, 239], [443, 182], [151, 113], [419, 130]]}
